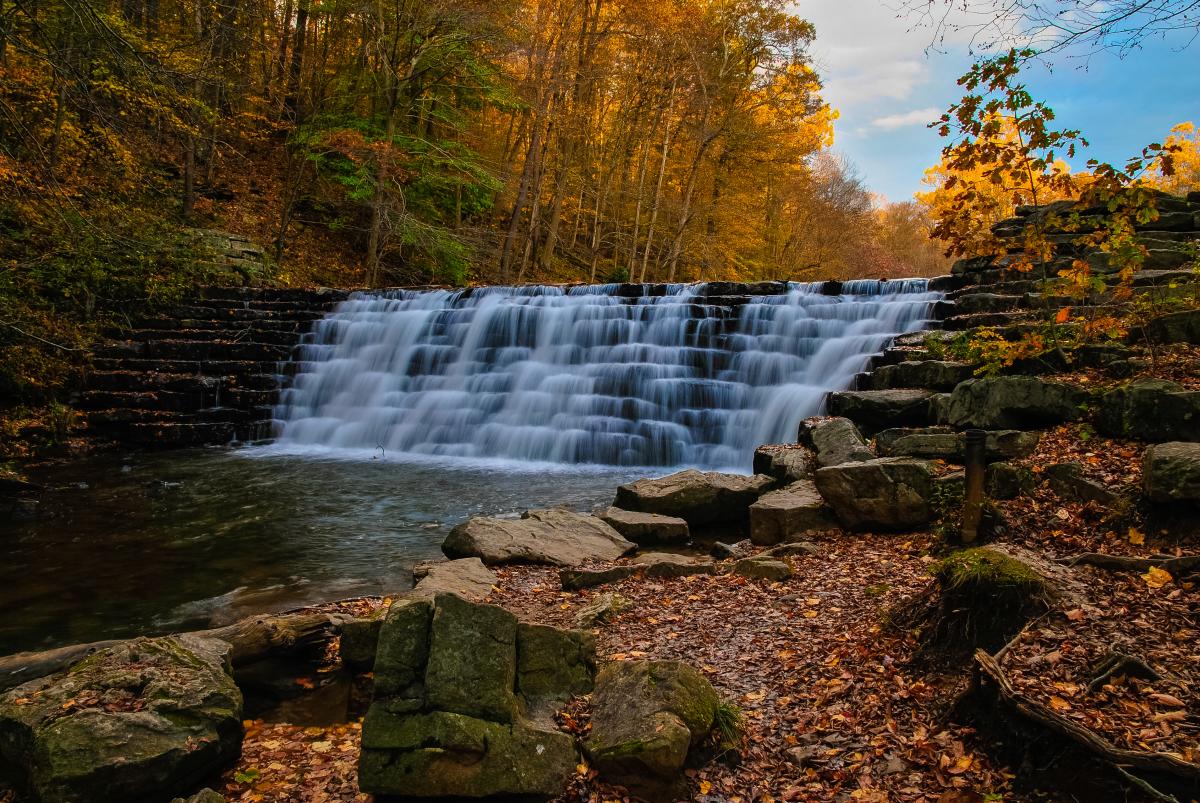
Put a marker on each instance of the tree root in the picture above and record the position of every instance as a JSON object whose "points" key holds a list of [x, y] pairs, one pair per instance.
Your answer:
{"points": [[1123, 563], [1126, 761]]}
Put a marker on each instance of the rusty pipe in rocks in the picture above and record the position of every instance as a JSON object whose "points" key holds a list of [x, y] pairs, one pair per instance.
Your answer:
{"points": [[976, 467]]}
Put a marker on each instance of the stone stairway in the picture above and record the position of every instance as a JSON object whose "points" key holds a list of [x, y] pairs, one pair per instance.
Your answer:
{"points": [[202, 373]]}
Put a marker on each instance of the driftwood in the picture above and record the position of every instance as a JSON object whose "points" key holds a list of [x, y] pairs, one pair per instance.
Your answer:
{"points": [[1123, 563], [251, 639], [1127, 759]]}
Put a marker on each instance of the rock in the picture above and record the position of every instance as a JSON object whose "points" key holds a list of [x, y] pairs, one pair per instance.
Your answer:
{"points": [[557, 537], [723, 551], [441, 754], [665, 565], [874, 410], [700, 497], [359, 641], [1150, 410], [203, 796], [646, 716], [889, 493], [1067, 480], [785, 462], [601, 609], [456, 686], [466, 577], [1015, 402], [931, 374], [789, 513], [472, 660], [403, 652], [835, 440], [758, 568], [1008, 481], [646, 528], [939, 444], [144, 719], [939, 408], [1171, 472], [1177, 327], [554, 665], [791, 550], [576, 579]]}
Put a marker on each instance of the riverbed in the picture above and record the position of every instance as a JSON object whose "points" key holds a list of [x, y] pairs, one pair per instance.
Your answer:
{"points": [[125, 544]]}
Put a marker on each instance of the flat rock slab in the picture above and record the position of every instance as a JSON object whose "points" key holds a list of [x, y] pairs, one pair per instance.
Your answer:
{"points": [[665, 565], [576, 579], [785, 462], [466, 577], [555, 537], [835, 441], [931, 374], [760, 568], [877, 409], [646, 528], [145, 719], [887, 494], [1015, 402], [699, 497], [940, 443], [1171, 472], [789, 513]]}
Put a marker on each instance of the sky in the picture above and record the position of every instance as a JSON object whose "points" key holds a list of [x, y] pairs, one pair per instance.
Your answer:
{"points": [[877, 71]]}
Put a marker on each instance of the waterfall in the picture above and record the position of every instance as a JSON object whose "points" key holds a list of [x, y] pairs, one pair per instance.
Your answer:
{"points": [[686, 376]]}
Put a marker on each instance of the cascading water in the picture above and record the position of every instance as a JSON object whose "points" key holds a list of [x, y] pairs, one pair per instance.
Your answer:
{"points": [[585, 375]]}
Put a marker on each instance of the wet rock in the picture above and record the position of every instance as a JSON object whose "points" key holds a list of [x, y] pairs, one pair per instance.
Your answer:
{"points": [[723, 551], [601, 609], [1008, 481], [789, 513], [785, 462], [646, 528], [452, 717], [664, 565], [1150, 410], [466, 577], [699, 497], [1171, 472], [760, 568], [147, 718], [1067, 480], [576, 579], [931, 374], [556, 537], [874, 410], [889, 493], [835, 440], [791, 550], [646, 717], [1015, 402]]}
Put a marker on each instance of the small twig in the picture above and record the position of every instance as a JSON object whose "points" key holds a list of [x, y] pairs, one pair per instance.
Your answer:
{"points": [[35, 337], [1145, 786]]}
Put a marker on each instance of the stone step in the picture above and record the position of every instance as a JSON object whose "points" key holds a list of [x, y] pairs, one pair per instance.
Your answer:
{"points": [[246, 397], [149, 400], [117, 418], [216, 335], [151, 381], [958, 323], [161, 325], [253, 295], [241, 314], [207, 350], [245, 370]]}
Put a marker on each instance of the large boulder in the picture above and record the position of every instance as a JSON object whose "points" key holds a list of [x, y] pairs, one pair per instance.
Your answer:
{"points": [[874, 410], [557, 537], [939, 443], [646, 529], [785, 462], [466, 577], [835, 440], [1015, 402], [1171, 472], [144, 719], [646, 716], [699, 497], [789, 514], [1068, 481], [1177, 327], [889, 493], [931, 374], [457, 688], [1150, 410]]}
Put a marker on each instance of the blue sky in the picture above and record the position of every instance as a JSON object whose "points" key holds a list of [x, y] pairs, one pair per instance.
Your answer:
{"points": [[877, 72]]}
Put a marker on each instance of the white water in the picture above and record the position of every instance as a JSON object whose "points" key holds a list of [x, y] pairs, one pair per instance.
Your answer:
{"points": [[584, 376]]}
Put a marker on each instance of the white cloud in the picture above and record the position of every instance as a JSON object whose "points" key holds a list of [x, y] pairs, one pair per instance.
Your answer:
{"points": [[905, 119]]}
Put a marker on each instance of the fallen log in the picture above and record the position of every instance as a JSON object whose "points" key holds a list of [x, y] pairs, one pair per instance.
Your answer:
{"points": [[1163, 763], [1124, 563], [251, 640]]}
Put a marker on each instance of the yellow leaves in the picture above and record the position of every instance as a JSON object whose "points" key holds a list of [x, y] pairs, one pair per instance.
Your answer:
{"points": [[1059, 704], [1157, 578], [705, 787], [1063, 315], [1136, 536]]}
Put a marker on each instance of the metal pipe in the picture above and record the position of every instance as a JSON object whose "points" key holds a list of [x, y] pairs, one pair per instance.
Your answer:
{"points": [[976, 467]]}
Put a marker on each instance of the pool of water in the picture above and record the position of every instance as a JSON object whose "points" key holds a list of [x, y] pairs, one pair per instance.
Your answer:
{"points": [[151, 543]]}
